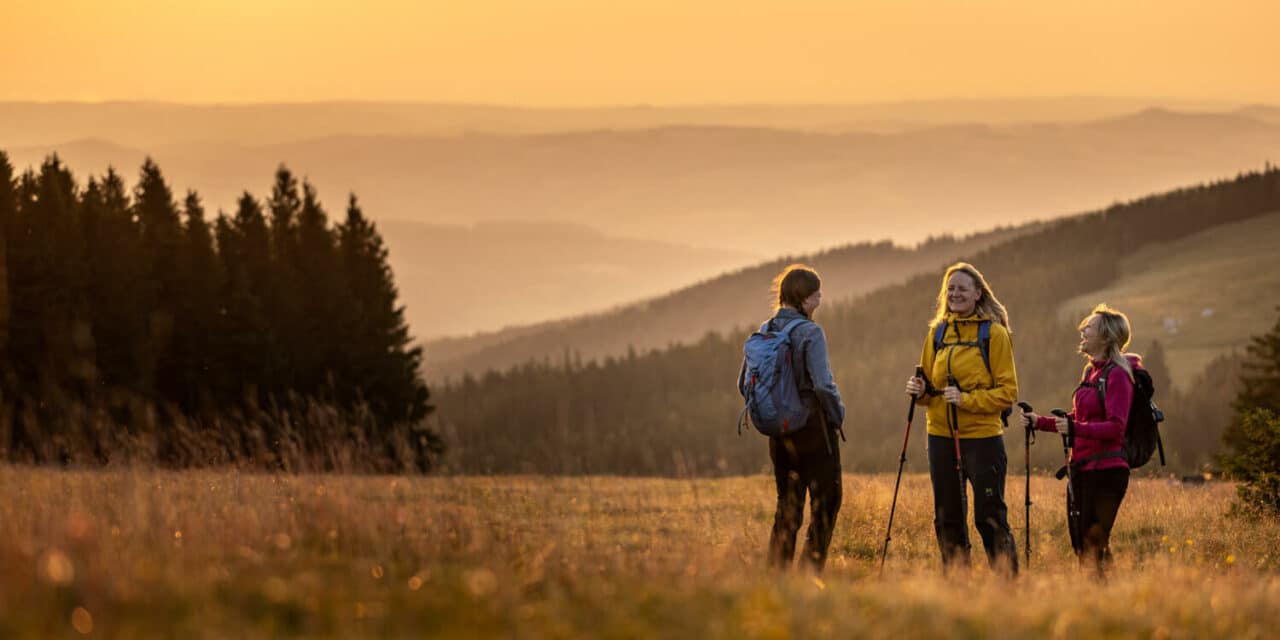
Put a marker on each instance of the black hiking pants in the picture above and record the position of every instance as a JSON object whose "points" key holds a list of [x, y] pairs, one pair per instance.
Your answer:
{"points": [[985, 466], [1098, 498], [803, 464]]}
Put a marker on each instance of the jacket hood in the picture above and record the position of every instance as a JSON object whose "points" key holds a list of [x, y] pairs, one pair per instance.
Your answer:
{"points": [[783, 316]]}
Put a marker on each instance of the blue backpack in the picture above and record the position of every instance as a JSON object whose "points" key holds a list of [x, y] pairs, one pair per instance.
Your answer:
{"points": [[770, 387], [983, 342]]}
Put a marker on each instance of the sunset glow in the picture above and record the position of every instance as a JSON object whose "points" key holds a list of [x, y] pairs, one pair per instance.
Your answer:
{"points": [[572, 52]]}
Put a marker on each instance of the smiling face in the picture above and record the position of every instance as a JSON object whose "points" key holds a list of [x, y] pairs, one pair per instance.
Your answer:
{"points": [[1092, 343], [962, 293]]}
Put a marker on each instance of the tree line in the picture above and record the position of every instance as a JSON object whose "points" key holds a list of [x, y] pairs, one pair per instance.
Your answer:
{"points": [[267, 336], [1253, 438], [672, 411]]}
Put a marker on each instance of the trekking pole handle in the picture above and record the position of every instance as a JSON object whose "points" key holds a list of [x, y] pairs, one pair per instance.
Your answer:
{"points": [[925, 386], [1026, 408], [1071, 426], [924, 390]]}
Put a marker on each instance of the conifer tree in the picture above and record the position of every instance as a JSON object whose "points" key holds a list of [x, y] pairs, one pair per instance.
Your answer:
{"points": [[322, 292], [161, 231], [1253, 438], [58, 279], [119, 293], [198, 307], [244, 247], [1261, 380], [384, 366], [8, 209], [284, 303]]}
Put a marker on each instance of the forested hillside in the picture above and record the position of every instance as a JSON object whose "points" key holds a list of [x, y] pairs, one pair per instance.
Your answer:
{"points": [[718, 304], [134, 328], [672, 411]]}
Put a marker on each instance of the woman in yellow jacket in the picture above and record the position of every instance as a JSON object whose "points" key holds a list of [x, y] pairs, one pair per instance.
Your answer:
{"points": [[971, 384]]}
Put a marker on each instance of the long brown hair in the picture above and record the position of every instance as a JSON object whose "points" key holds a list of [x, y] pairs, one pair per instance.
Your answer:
{"points": [[987, 303], [794, 285]]}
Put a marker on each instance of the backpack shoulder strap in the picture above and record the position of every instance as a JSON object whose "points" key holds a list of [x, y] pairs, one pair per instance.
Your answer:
{"points": [[984, 346], [1100, 386], [938, 333]]}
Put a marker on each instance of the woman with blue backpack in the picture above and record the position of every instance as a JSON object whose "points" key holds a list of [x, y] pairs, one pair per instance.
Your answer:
{"points": [[969, 387], [1097, 470], [792, 398]]}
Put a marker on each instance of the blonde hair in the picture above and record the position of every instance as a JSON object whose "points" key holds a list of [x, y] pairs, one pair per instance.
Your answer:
{"points": [[987, 303], [1115, 331]]}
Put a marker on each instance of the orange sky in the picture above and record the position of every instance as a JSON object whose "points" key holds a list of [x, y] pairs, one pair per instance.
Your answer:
{"points": [[596, 52]]}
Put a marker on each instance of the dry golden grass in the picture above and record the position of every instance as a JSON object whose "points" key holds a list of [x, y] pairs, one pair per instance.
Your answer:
{"points": [[208, 554]]}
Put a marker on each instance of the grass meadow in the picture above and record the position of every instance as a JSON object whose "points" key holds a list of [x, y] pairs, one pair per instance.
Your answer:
{"points": [[226, 554]]}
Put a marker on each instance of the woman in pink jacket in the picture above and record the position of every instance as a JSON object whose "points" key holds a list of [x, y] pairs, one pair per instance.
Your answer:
{"points": [[1099, 474]]}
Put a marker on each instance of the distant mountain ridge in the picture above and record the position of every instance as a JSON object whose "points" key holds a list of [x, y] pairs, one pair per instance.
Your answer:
{"points": [[741, 191], [721, 186], [151, 124]]}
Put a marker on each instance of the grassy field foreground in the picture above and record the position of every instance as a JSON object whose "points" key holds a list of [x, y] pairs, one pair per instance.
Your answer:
{"points": [[121, 554]]}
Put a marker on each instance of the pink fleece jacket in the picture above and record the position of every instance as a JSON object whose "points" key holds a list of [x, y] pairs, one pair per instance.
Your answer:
{"points": [[1099, 429]]}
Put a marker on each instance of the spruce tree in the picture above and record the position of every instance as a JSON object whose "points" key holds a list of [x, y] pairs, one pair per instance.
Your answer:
{"points": [[322, 292], [8, 209], [284, 303], [1261, 379], [1253, 438], [119, 290], [161, 231], [384, 368], [249, 342], [198, 307]]}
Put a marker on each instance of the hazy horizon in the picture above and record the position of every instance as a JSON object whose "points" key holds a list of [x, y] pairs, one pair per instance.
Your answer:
{"points": [[705, 197]]}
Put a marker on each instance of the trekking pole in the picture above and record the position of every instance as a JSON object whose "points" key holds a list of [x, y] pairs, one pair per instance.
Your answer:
{"points": [[1030, 439], [1068, 450], [902, 460], [953, 423]]}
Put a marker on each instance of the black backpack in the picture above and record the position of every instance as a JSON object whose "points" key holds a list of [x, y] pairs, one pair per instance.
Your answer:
{"points": [[1142, 431]]}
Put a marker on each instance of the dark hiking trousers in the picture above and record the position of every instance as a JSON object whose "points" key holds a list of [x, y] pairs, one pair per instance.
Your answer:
{"points": [[802, 463], [985, 465], [1098, 496]]}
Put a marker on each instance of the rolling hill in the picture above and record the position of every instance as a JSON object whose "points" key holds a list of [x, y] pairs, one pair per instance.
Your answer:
{"points": [[730, 301], [671, 411], [1201, 296]]}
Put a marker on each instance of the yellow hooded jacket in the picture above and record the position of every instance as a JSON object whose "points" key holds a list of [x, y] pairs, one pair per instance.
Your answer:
{"points": [[984, 394]]}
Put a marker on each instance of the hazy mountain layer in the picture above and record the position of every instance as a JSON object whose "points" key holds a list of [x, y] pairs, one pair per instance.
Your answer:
{"points": [[765, 191], [151, 124], [744, 191], [455, 280]]}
